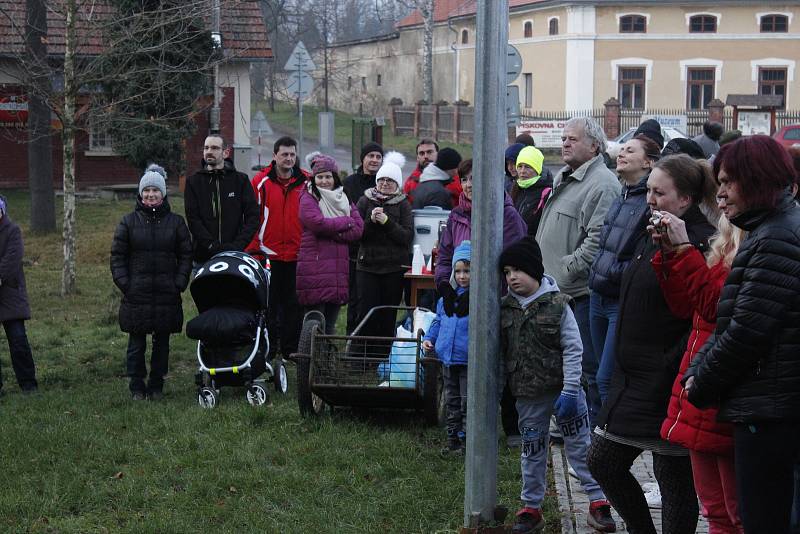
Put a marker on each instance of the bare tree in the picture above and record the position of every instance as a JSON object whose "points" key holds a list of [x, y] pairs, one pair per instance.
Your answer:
{"points": [[88, 98], [426, 10]]}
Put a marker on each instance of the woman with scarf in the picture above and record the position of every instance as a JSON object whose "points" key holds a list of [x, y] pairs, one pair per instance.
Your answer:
{"points": [[530, 188], [330, 223], [383, 254], [151, 258]]}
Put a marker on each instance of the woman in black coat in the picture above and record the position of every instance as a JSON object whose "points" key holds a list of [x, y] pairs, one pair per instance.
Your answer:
{"points": [[650, 343], [151, 258], [751, 365], [387, 236], [14, 308]]}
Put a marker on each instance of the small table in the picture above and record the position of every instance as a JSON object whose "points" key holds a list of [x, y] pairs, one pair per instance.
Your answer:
{"points": [[418, 283]]}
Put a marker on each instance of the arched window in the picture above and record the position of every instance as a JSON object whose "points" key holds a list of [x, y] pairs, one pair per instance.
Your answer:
{"points": [[553, 26], [632, 24], [774, 24], [703, 24], [527, 29], [464, 36]]}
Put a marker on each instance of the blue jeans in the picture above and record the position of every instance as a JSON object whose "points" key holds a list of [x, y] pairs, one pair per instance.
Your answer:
{"points": [[589, 362], [534, 426], [603, 323], [21, 357]]}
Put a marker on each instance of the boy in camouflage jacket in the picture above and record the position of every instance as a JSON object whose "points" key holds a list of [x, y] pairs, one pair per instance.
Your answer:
{"points": [[542, 351]]}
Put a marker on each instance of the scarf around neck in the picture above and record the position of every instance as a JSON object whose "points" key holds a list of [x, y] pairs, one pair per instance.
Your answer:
{"points": [[525, 184], [332, 203], [465, 203]]}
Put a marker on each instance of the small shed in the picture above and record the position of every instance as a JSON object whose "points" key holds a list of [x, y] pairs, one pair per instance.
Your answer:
{"points": [[754, 114]]}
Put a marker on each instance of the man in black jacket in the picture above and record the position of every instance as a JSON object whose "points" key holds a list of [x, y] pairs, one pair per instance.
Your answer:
{"points": [[221, 208]]}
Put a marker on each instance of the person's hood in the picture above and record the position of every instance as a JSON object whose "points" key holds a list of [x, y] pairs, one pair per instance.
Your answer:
{"points": [[548, 285], [432, 172]]}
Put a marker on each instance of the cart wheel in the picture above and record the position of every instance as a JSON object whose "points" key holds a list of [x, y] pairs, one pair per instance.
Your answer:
{"points": [[281, 379], [207, 398], [257, 395], [307, 401], [434, 405]]}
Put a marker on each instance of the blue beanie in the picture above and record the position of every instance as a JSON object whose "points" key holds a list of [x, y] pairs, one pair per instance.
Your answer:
{"points": [[513, 151], [463, 252]]}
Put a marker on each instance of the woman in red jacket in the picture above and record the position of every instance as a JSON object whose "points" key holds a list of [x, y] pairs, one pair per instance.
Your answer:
{"points": [[691, 285]]}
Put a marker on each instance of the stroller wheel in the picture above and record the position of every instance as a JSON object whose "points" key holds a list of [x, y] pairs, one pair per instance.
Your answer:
{"points": [[257, 395], [207, 397], [281, 379]]}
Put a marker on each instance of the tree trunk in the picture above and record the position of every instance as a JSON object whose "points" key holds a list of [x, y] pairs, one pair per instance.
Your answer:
{"points": [[426, 9], [68, 142], [40, 156]]}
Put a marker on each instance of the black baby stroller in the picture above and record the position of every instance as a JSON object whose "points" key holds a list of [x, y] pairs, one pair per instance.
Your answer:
{"points": [[231, 291]]}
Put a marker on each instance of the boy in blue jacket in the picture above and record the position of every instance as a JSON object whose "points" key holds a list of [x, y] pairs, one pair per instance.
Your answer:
{"points": [[449, 335], [542, 351]]}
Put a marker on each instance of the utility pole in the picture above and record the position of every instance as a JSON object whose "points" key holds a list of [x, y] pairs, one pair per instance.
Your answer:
{"points": [[214, 119], [480, 477]]}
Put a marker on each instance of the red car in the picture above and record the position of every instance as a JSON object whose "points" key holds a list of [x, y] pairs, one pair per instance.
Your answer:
{"points": [[788, 135]]}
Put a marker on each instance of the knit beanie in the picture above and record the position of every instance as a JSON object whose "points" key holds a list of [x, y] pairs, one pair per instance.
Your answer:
{"points": [[526, 256], [513, 151], [652, 129], [323, 163], [370, 147], [448, 159], [154, 176], [392, 168], [680, 145], [463, 252], [531, 156]]}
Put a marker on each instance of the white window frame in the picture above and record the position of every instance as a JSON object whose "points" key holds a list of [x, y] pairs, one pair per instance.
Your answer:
{"points": [[707, 13], [524, 22], [558, 21], [633, 62], [627, 14], [97, 149], [786, 14], [774, 62]]}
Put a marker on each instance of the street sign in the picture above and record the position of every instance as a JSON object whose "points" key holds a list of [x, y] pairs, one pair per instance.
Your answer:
{"points": [[513, 64], [300, 59], [300, 84], [512, 105]]}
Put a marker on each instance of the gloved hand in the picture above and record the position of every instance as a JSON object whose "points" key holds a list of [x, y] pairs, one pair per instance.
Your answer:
{"points": [[462, 304], [566, 405], [448, 295]]}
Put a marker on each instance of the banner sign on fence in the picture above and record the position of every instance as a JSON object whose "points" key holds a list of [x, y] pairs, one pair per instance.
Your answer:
{"points": [[669, 121], [545, 132]]}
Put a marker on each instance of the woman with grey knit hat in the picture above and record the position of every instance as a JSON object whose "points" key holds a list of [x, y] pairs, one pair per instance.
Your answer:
{"points": [[151, 258]]}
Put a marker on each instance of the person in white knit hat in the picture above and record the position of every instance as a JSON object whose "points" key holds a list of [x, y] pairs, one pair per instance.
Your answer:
{"points": [[388, 232]]}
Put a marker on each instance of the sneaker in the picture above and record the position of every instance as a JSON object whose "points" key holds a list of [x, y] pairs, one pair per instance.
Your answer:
{"points": [[653, 497], [156, 395], [600, 518], [555, 432], [138, 395], [528, 520], [572, 473]]}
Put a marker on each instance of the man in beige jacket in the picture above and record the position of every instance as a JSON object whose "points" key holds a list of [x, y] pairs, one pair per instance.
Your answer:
{"points": [[569, 231]]}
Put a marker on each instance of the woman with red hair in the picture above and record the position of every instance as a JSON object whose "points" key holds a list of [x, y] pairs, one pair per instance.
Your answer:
{"points": [[751, 364]]}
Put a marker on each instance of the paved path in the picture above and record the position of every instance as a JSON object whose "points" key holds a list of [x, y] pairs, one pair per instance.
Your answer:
{"points": [[574, 504]]}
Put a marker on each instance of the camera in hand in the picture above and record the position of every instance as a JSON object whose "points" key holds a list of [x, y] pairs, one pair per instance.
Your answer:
{"points": [[655, 220]]}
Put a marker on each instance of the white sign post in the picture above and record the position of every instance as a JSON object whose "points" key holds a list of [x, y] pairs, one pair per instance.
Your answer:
{"points": [[300, 83]]}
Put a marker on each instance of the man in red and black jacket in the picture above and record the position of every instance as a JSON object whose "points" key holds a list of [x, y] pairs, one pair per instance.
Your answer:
{"points": [[277, 189]]}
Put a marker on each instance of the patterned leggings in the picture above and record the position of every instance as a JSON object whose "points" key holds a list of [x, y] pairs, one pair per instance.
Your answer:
{"points": [[610, 464]]}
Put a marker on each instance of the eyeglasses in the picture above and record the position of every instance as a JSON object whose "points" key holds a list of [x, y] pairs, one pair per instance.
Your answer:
{"points": [[385, 180]]}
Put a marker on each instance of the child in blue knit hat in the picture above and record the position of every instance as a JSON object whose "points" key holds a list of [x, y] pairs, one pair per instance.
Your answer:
{"points": [[449, 336]]}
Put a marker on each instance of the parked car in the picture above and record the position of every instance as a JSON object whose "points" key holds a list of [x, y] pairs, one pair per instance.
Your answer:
{"points": [[668, 133], [788, 135]]}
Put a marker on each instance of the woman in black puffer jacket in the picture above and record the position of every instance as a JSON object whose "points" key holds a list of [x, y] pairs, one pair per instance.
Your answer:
{"points": [[388, 232], [651, 339], [151, 258], [751, 364]]}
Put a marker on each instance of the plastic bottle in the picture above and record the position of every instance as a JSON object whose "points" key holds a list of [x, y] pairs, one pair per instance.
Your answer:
{"points": [[417, 261]]}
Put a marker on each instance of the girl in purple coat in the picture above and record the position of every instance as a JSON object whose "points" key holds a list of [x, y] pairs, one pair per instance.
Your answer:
{"points": [[329, 223]]}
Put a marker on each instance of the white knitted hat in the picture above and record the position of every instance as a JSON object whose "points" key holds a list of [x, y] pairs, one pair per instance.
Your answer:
{"points": [[392, 168]]}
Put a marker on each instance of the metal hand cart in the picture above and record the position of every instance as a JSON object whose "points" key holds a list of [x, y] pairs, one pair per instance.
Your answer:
{"points": [[358, 371]]}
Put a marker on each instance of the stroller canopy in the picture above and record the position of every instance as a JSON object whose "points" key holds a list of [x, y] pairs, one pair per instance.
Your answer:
{"points": [[230, 278]]}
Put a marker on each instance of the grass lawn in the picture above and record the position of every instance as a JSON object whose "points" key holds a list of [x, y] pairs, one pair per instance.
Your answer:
{"points": [[81, 457], [285, 119]]}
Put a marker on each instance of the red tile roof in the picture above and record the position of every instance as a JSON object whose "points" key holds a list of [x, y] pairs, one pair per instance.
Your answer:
{"points": [[244, 34], [447, 9]]}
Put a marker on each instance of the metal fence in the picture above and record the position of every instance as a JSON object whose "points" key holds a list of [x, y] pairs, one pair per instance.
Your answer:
{"points": [[598, 114], [451, 123], [404, 120]]}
